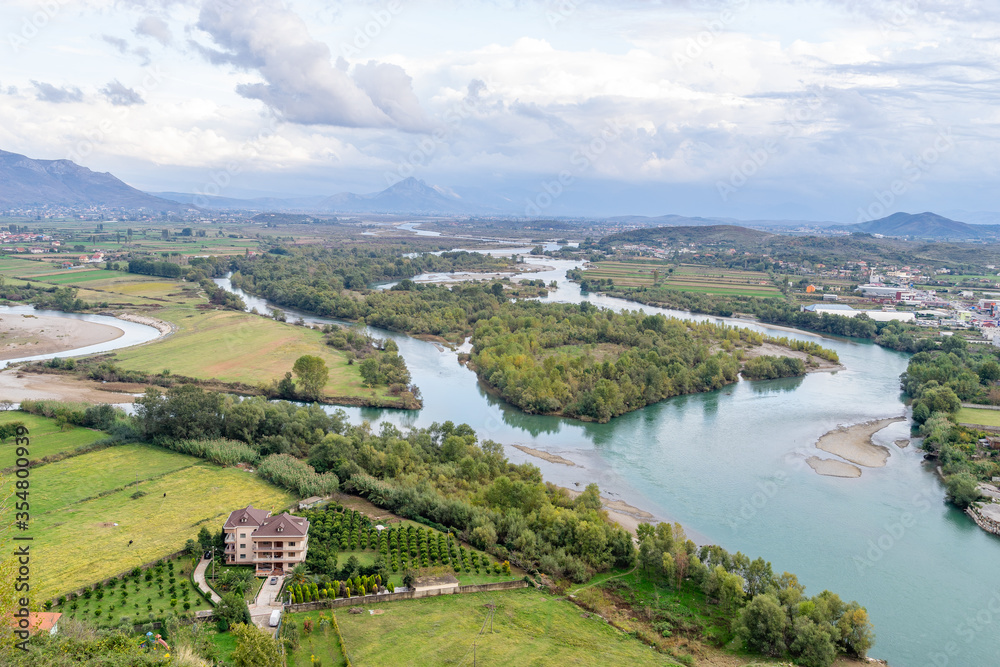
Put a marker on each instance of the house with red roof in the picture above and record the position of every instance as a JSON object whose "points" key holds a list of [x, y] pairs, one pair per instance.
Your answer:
{"points": [[35, 623], [272, 544]]}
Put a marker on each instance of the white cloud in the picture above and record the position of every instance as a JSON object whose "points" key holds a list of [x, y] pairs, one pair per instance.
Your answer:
{"points": [[301, 83]]}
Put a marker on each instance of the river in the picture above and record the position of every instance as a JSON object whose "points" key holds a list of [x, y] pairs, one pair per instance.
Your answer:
{"points": [[730, 466], [133, 333]]}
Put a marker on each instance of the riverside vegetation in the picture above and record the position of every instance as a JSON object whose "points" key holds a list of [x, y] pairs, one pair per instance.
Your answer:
{"points": [[447, 477], [542, 357], [938, 382], [582, 361], [771, 310]]}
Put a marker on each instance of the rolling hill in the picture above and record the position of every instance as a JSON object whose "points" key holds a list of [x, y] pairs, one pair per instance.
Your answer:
{"points": [[925, 226]]}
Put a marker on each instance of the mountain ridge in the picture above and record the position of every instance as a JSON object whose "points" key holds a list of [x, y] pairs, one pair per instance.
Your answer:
{"points": [[27, 182], [924, 225]]}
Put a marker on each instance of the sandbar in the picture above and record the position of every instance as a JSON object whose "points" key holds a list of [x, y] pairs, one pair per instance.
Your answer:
{"points": [[31, 335], [854, 443], [770, 349], [551, 458], [833, 468]]}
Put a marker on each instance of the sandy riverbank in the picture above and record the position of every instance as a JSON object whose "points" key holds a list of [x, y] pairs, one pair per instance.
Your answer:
{"points": [[18, 386], [854, 443], [770, 349], [30, 335], [161, 326], [545, 456], [619, 511]]}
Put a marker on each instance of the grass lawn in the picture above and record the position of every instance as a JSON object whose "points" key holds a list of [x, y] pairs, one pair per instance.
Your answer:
{"points": [[226, 643], [978, 416], [144, 599], [321, 643], [46, 437], [76, 502], [528, 628]]}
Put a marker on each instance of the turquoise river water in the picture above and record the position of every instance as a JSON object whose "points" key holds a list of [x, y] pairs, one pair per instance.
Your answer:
{"points": [[730, 466]]}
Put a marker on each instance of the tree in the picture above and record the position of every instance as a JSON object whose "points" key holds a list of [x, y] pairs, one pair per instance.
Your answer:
{"points": [[649, 556], [232, 609], [313, 374], [813, 644], [205, 539], [856, 634], [254, 648], [989, 372], [962, 488], [762, 625]]}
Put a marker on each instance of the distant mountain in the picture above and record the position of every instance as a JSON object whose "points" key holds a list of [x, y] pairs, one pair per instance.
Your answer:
{"points": [[666, 220], [974, 217], [685, 221], [28, 182], [233, 204], [408, 196], [925, 226], [688, 234]]}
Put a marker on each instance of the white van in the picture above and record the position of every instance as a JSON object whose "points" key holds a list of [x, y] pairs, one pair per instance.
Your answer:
{"points": [[275, 617]]}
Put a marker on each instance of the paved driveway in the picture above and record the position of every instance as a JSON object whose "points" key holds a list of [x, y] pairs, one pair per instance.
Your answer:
{"points": [[199, 580], [265, 603]]}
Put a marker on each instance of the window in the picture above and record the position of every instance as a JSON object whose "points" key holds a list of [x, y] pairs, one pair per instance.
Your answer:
{"points": [[243, 546], [291, 544], [243, 555], [243, 536]]}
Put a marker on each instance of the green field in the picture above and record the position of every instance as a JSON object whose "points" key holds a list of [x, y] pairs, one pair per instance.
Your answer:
{"points": [[528, 628], [239, 347], [46, 437], [684, 277], [978, 416], [76, 502]]}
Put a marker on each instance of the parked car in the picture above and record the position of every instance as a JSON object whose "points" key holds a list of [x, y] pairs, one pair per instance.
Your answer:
{"points": [[274, 580], [275, 617]]}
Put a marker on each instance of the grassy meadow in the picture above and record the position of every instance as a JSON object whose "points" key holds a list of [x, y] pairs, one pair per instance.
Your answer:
{"points": [[208, 344], [76, 502], [684, 277], [978, 416], [528, 628], [47, 437]]}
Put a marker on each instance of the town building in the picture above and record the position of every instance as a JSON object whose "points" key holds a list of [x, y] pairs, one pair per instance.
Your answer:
{"points": [[847, 311], [272, 544]]}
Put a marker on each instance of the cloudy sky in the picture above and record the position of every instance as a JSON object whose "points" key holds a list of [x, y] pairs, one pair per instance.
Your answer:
{"points": [[805, 109]]}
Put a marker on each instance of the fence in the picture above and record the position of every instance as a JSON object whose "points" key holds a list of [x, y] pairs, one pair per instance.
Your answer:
{"points": [[405, 595]]}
